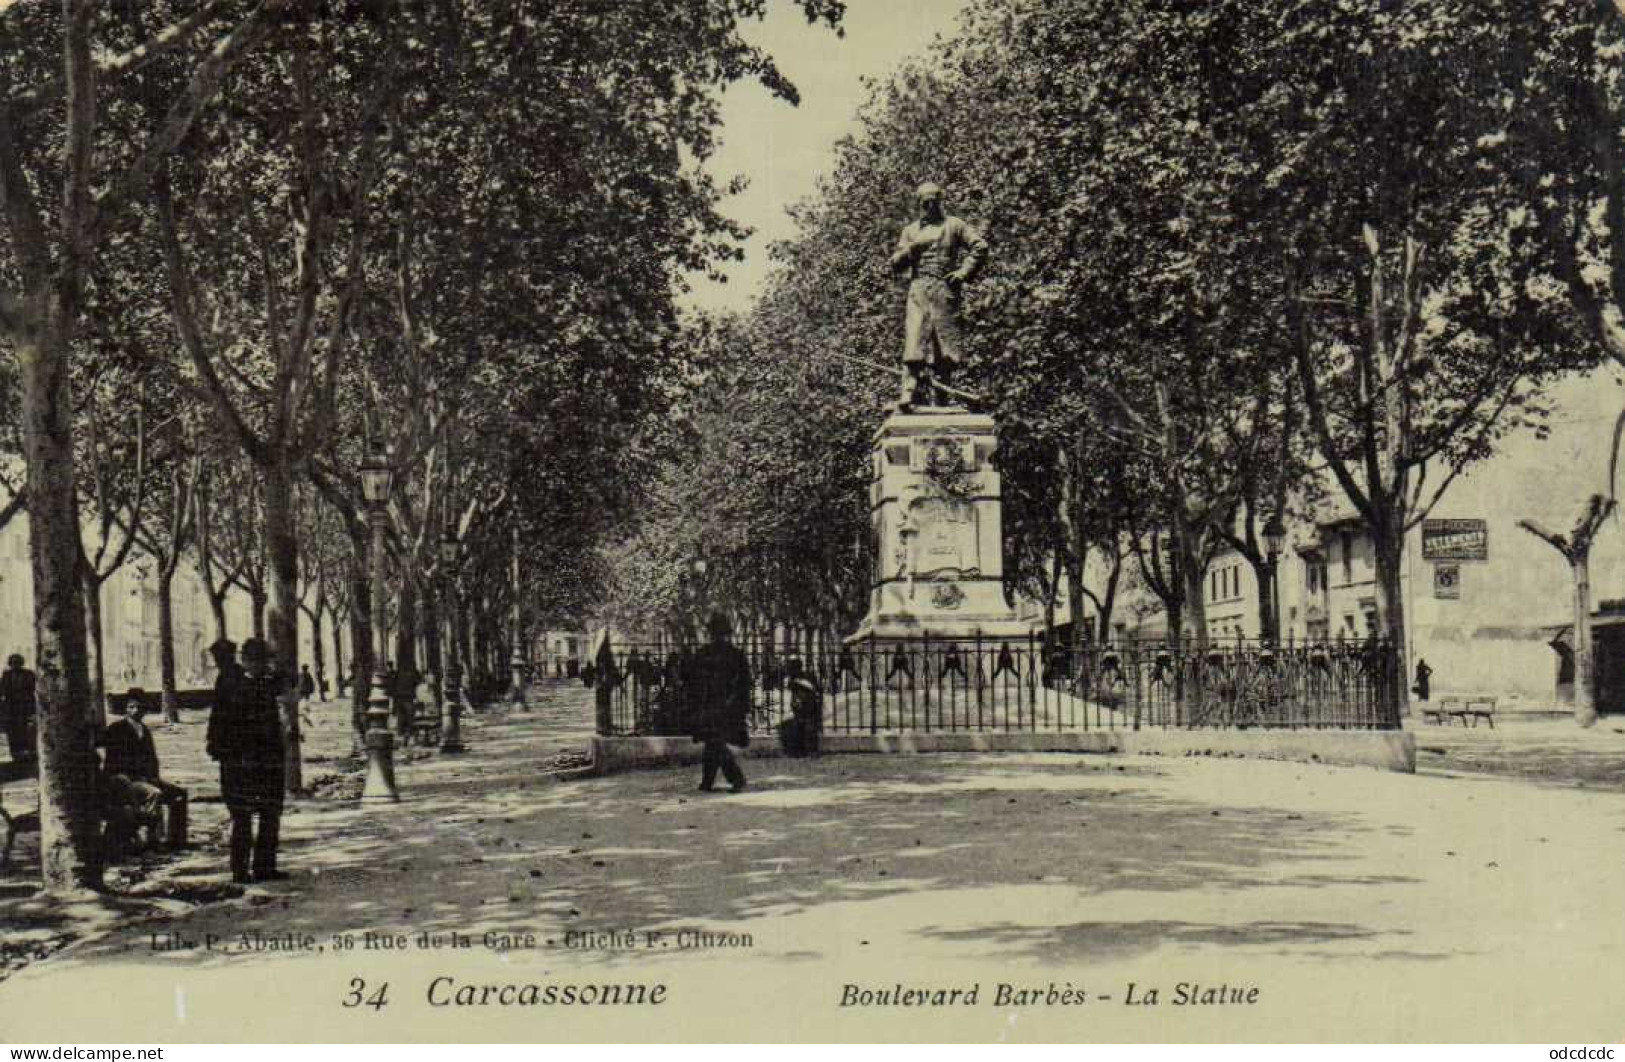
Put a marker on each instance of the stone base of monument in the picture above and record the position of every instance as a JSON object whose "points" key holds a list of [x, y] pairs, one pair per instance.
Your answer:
{"points": [[938, 541]]}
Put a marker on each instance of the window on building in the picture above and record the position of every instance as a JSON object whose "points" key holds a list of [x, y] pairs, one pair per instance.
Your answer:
{"points": [[1347, 538]]}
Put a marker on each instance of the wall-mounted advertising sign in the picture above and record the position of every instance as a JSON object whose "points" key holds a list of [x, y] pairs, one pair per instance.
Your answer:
{"points": [[1455, 540], [1447, 581]]}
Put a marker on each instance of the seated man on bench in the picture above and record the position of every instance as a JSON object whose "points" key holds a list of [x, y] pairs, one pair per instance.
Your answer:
{"points": [[130, 775]]}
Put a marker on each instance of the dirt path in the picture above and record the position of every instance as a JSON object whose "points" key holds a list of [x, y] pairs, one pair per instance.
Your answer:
{"points": [[1363, 905]]}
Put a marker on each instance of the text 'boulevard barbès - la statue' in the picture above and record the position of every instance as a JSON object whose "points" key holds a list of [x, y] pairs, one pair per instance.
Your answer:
{"points": [[940, 252]]}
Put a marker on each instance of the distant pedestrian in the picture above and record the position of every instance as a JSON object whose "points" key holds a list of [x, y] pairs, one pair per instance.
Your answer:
{"points": [[719, 699], [307, 683], [1424, 677], [245, 736], [800, 734], [19, 702]]}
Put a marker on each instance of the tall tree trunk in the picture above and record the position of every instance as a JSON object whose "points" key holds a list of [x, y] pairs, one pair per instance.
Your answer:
{"points": [[1108, 598], [429, 626], [282, 622], [166, 640], [338, 651], [70, 813], [1585, 695], [1389, 547], [256, 602], [406, 621], [217, 606], [318, 653], [465, 645], [1193, 574], [93, 621], [361, 636], [1071, 569], [516, 633]]}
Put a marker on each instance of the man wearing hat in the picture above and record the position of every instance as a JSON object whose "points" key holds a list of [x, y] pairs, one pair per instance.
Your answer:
{"points": [[719, 700], [245, 736], [130, 772]]}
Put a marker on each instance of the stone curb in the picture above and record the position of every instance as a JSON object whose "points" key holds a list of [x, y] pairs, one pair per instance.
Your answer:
{"points": [[1390, 750]]}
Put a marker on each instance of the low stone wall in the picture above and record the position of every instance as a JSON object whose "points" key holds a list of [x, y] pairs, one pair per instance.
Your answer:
{"points": [[1389, 750], [612, 754]]}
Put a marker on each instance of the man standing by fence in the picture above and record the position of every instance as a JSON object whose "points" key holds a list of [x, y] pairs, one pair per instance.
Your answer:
{"points": [[719, 699]]}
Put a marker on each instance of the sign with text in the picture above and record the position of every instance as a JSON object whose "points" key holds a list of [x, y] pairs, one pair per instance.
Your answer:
{"points": [[1455, 540], [1447, 580]]}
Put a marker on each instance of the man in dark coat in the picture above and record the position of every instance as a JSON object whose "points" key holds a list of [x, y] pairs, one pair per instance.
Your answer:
{"points": [[130, 772], [245, 735], [17, 701], [307, 683], [719, 698]]}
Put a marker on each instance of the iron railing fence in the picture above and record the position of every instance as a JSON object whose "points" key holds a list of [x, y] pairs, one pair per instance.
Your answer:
{"points": [[975, 684]]}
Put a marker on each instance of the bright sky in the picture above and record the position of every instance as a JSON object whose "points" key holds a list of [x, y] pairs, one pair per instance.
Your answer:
{"points": [[783, 150]]}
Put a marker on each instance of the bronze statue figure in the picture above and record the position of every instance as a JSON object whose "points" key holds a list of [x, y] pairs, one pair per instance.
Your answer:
{"points": [[940, 252]]}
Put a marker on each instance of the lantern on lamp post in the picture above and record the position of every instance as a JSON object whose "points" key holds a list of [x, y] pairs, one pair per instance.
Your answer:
{"points": [[453, 739], [1274, 544], [377, 478]]}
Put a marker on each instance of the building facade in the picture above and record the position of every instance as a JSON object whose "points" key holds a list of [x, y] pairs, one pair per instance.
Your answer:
{"points": [[129, 601], [1487, 603]]}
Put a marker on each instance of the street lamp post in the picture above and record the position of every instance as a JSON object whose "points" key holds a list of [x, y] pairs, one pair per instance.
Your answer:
{"points": [[1274, 543], [453, 739], [376, 477], [516, 648]]}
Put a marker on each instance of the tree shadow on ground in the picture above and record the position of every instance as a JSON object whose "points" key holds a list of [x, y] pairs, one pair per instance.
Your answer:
{"points": [[1107, 941], [470, 851]]}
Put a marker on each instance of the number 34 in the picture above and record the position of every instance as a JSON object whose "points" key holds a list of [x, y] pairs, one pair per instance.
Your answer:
{"points": [[358, 997]]}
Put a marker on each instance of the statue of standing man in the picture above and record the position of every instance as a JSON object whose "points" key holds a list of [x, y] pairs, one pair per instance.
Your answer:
{"points": [[940, 252]]}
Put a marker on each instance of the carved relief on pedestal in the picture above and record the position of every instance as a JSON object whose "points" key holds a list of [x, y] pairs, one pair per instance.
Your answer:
{"points": [[947, 541], [947, 596]]}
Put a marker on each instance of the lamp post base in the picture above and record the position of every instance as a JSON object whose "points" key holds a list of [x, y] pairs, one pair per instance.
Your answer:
{"points": [[453, 700], [379, 787], [516, 692]]}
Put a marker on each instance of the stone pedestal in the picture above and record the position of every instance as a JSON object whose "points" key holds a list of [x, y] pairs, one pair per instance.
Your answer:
{"points": [[938, 542]]}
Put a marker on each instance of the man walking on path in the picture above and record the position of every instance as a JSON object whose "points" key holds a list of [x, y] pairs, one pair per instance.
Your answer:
{"points": [[245, 736], [719, 697], [18, 702]]}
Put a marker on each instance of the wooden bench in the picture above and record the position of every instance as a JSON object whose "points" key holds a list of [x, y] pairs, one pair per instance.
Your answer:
{"points": [[1441, 709], [1478, 708], [119, 824], [425, 725], [1462, 708], [22, 822]]}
